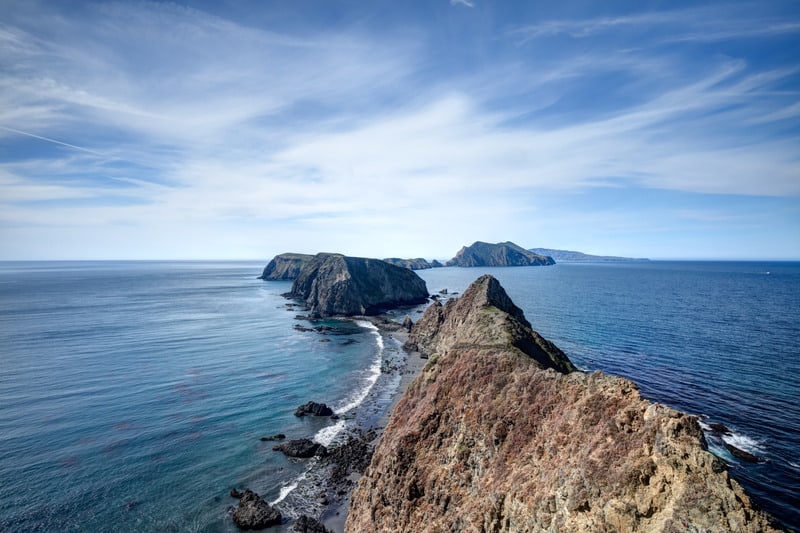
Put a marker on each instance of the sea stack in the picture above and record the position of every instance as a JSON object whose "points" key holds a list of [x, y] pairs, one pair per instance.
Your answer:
{"points": [[483, 254], [500, 433], [334, 284]]}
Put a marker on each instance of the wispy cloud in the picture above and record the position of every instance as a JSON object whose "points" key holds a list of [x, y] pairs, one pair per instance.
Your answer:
{"points": [[180, 128]]}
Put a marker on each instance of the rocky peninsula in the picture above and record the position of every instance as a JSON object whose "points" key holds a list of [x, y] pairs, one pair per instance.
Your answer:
{"points": [[483, 254], [334, 284], [417, 263], [580, 257], [500, 433]]}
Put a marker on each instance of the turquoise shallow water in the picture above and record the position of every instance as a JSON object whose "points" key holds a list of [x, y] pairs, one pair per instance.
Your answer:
{"points": [[132, 395]]}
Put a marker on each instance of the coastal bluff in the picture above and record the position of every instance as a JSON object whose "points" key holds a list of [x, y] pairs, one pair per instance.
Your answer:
{"points": [[484, 254], [285, 266], [335, 284], [500, 433]]}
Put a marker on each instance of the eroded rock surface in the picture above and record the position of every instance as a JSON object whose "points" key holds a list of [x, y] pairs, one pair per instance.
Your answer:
{"points": [[285, 266], [253, 512], [334, 284], [499, 433]]}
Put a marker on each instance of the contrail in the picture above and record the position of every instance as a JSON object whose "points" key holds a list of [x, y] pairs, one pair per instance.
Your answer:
{"points": [[12, 130]]}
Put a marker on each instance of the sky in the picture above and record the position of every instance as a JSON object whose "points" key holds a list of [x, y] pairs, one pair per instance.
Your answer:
{"points": [[240, 130]]}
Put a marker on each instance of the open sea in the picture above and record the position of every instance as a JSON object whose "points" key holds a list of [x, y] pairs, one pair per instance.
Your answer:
{"points": [[133, 394]]}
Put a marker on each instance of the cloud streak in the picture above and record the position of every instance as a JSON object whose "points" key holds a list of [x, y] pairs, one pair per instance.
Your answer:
{"points": [[168, 122]]}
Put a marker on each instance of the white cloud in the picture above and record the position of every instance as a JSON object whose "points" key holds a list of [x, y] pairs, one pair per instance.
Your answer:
{"points": [[467, 3]]}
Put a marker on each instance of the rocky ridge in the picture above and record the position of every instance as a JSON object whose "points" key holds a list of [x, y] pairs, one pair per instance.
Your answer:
{"points": [[499, 433], [484, 254], [569, 255], [334, 284], [285, 266]]}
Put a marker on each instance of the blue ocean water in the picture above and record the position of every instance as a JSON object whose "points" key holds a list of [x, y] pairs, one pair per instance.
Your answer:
{"points": [[133, 395]]}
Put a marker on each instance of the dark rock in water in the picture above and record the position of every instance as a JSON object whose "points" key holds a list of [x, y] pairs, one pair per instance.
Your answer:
{"points": [[443, 291], [277, 436], [313, 408], [253, 512], [719, 428], [407, 323], [302, 448], [741, 454], [285, 266], [500, 254], [306, 524], [333, 284]]}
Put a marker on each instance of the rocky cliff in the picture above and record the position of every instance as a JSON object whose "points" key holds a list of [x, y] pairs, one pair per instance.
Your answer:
{"points": [[285, 266], [414, 264], [334, 284], [500, 254], [498, 433]]}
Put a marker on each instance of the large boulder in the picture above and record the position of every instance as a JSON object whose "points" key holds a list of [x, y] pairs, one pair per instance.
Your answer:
{"points": [[313, 408], [334, 284], [301, 448], [483, 254], [253, 512], [285, 266]]}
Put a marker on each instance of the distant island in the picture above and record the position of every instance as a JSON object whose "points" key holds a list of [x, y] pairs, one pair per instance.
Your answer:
{"points": [[413, 264], [571, 256], [483, 254]]}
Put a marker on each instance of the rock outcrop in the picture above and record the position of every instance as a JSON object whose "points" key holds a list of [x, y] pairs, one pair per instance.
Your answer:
{"points": [[253, 512], [301, 448], [334, 284], [499, 433], [314, 409], [413, 264], [285, 266], [482, 254]]}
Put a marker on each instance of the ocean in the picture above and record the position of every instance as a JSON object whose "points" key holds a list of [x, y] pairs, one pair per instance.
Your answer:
{"points": [[133, 395]]}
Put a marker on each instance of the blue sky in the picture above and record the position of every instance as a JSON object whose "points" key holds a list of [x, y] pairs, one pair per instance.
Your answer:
{"points": [[231, 129]]}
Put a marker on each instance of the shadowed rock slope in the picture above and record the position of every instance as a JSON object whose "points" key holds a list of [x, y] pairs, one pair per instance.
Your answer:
{"points": [[334, 284], [285, 266], [498, 433]]}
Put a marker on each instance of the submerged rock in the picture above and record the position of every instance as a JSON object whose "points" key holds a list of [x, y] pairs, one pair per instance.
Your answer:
{"points": [[334, 284], [500, 433], [277, 436], [301, 448], [253, 512]]}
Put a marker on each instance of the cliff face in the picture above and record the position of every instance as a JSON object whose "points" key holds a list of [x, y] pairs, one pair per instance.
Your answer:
{"points": [[498, 434], [500, 254], [285, 266], [333, 284]]}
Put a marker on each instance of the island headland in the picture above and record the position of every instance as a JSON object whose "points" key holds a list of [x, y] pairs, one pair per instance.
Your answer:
{"points": [[285, 266], [580, 257], [500, 433], [335, 284], [414, 264], [483, 254]]}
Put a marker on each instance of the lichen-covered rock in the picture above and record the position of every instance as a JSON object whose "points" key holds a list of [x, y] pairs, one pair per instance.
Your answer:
{"points": [[285, 266], [253, 512], [500, 254], [495, 436], [333, 284]]}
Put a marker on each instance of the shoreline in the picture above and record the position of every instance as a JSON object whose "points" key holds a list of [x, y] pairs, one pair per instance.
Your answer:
{"points": [[335, 515]]}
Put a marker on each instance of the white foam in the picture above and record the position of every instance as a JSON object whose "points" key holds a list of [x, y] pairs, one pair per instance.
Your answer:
{"points": [[286, 489], [373, 372], [743, 442], [326, 435]]}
